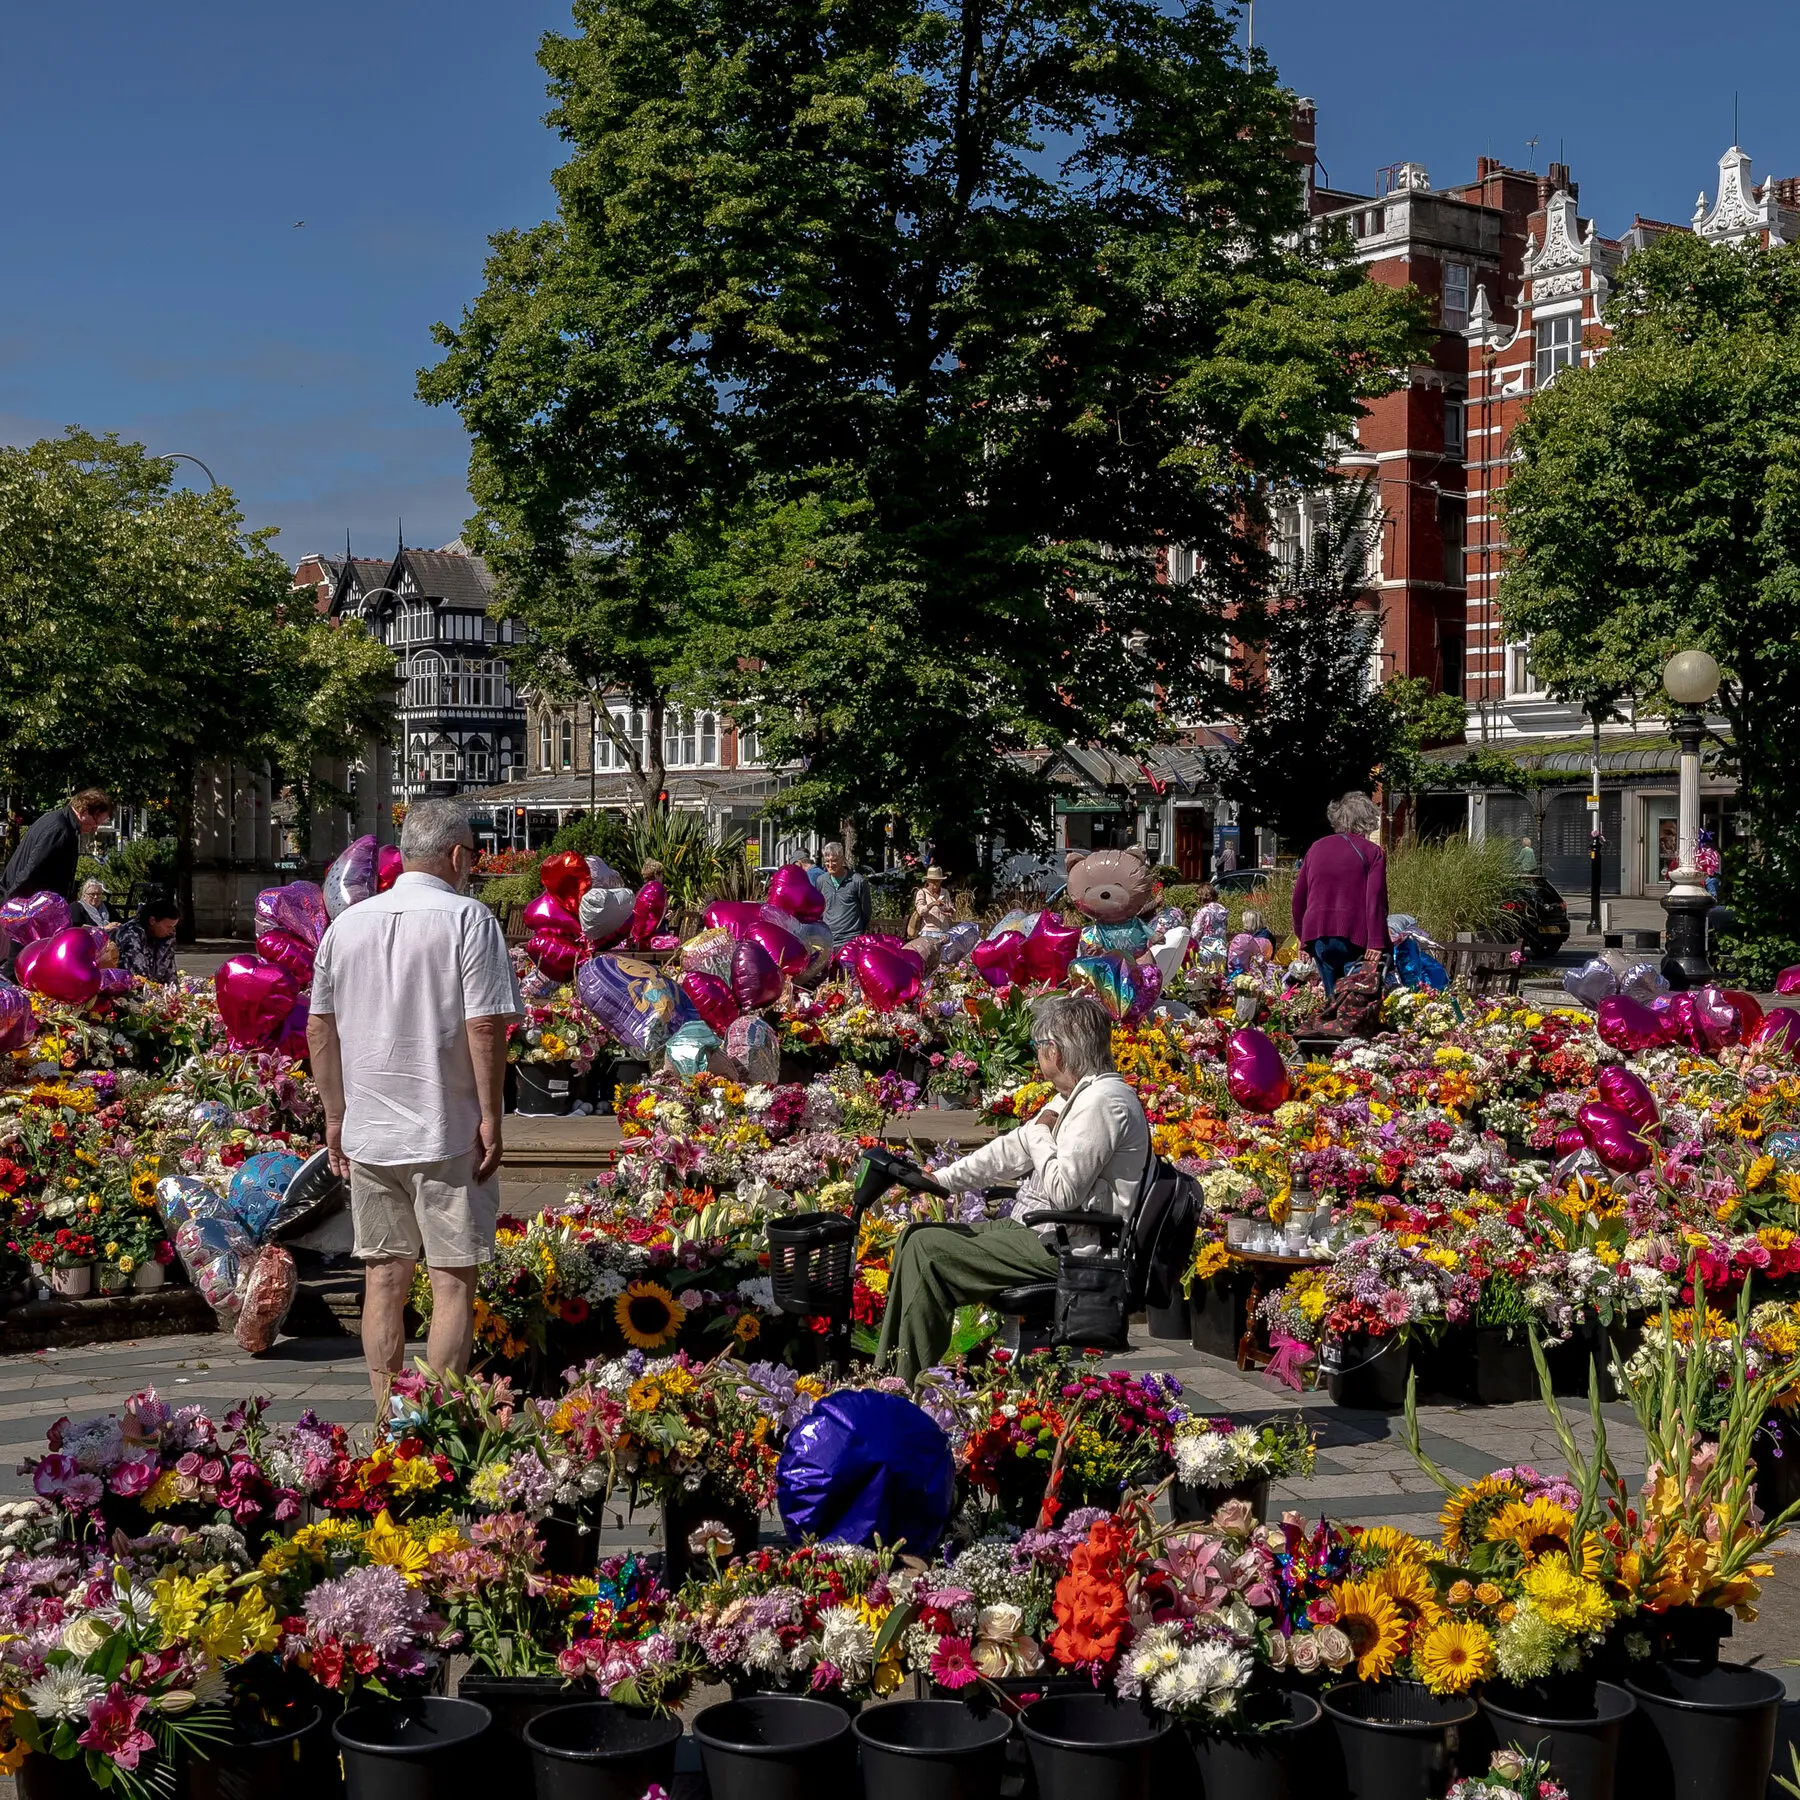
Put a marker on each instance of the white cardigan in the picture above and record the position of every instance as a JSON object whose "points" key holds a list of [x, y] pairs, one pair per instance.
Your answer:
{"points": [[1094, 1160]]}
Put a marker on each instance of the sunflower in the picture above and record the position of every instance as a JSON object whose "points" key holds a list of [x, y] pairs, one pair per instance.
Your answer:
{"points": [[1477, 1498], [746, 1328], [1454, 1655], [1539, 1528], [1409, 1587], [647, 1315], [1372, 1623], [1390, 1542]]}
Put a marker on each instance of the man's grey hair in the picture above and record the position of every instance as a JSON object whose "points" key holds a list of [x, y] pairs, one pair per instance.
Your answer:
{"points": [[1079, 1029], [433, 828], [834, 848], [1354, 812]]}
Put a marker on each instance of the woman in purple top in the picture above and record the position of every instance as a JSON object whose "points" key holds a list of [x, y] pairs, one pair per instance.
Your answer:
{"points": [[1340, 892]]}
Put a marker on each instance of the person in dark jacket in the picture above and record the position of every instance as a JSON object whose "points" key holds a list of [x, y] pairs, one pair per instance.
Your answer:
{"points": [[44, 862], [147, 941], [848, 902], [1340, 894]]}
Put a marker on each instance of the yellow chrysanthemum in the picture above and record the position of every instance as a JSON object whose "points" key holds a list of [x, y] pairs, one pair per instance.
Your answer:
{"points": [[647, 1315], [1561, 1596], [1454, 1655], [1372, 1623]]}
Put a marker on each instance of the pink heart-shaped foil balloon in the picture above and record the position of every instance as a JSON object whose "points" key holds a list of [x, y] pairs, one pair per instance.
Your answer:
{"points": [[1570, 1141], [1679, 1024], [997, 958], [790, 954], [647, 912], [64, 967], [889, 978], [1748, 1009], [288, 953], [1625, 1091], [1715, 1019], [546, 913], [351, 878], [255, 998], [1780, 1030], [755, 975], [1788, 981], [735, 916], [1618, 1141], [1629, 1025], [18, 1023], [1254, 1072], [1049, 950], [792, 889], [712, 999], [553, 953], [389, 866], [297, 909], [33, 917]]}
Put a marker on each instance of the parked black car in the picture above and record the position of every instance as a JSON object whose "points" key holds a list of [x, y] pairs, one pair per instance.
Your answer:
{"points": [[1537, 915]]}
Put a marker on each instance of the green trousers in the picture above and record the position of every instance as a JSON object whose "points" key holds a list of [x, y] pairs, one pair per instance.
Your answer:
{"points": [[938, 1268]]}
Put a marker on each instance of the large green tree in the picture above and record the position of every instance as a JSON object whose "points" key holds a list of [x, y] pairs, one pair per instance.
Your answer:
{"points": [[1655, 507], [923, 327], [142, 634]]}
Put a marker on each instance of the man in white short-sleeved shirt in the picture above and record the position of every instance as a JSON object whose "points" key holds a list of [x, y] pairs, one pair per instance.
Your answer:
{"points": [[412, 994]]}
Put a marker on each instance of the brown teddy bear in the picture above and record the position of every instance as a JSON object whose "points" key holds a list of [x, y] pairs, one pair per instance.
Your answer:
{"points": [[1112, 888]]}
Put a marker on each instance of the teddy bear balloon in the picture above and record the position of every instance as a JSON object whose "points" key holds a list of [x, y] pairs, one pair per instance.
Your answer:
{"points": [[1112, 889]]}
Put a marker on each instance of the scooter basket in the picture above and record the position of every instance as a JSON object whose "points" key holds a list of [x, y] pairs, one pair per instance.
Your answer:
{"points": [[812, 1259]]}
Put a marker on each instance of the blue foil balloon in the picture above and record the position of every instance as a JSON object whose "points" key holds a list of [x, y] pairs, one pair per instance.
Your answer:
{"points": [[257, 1186], [864, 1465]]}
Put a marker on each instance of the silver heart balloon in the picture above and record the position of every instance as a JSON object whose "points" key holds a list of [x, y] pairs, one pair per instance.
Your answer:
{"points": [[1593, 982], [1643, 981]]}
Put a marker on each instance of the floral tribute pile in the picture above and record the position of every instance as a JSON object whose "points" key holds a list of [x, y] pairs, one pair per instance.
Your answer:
{"points": [[176, 1576]]}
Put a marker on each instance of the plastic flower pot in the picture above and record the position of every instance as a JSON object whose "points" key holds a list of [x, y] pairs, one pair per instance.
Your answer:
{"points": [[1174, 1321], [684, 1514], [1091, 1746], [939, 1748], [148, 1275], [775, 1747], [72, 1283], [1218, 1310], [1196, 1505], [1367, 1374], [258, 1761], [410, 1749], [599, 1751], [514, 1701], [1583, 1753], [1399, 1740], [546, 1090], [1500, 1371], [1258, 1765], [1700, 1733]]}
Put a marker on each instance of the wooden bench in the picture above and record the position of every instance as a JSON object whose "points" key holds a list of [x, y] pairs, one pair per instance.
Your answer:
{"points": [[1484, 968]]}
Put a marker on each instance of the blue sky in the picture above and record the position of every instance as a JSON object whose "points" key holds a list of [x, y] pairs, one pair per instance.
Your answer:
{"points": [[154, 162]]}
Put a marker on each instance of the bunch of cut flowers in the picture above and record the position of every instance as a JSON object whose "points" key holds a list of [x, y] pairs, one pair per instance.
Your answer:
{"points": [[1214, 1453]]}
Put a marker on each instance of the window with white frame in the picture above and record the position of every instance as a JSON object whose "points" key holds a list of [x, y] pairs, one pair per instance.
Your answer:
{"points": [[690, 738], [1520, 677], [749, 746], [474, 684], [422, 681], [1453, 427], [629, 722], [478, 765], [565, 743], [544, 742], [1456, 295], [443, 764], [1558, 345]]}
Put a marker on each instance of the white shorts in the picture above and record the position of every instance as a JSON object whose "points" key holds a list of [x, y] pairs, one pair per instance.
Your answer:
{"points": [[436, 1209]]}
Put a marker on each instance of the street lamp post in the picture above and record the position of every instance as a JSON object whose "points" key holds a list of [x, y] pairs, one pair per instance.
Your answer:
{"points": [[1691, 679]]}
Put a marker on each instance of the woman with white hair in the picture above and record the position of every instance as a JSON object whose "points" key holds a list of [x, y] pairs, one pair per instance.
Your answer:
{"points": [[1340, 893]]}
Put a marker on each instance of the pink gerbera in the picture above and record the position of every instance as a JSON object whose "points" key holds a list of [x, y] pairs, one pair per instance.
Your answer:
{"points": [[113, 1728], [952, 1664]]}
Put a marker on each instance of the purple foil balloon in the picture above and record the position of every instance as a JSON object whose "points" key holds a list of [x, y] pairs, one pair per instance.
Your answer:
{"points": [[1149, 983], [755, 976], [352, 877], [18, 1023], [34, 916], [1593, 982], [298, 909]]}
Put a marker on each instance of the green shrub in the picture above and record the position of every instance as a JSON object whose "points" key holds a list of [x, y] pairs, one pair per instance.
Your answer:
{"points": [[604, 834], [510, 890], [146, 861]]}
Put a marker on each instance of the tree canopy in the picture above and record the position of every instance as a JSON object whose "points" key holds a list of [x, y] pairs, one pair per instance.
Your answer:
{"points": [[913, 332], [1655, 507], [141, 634]]}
